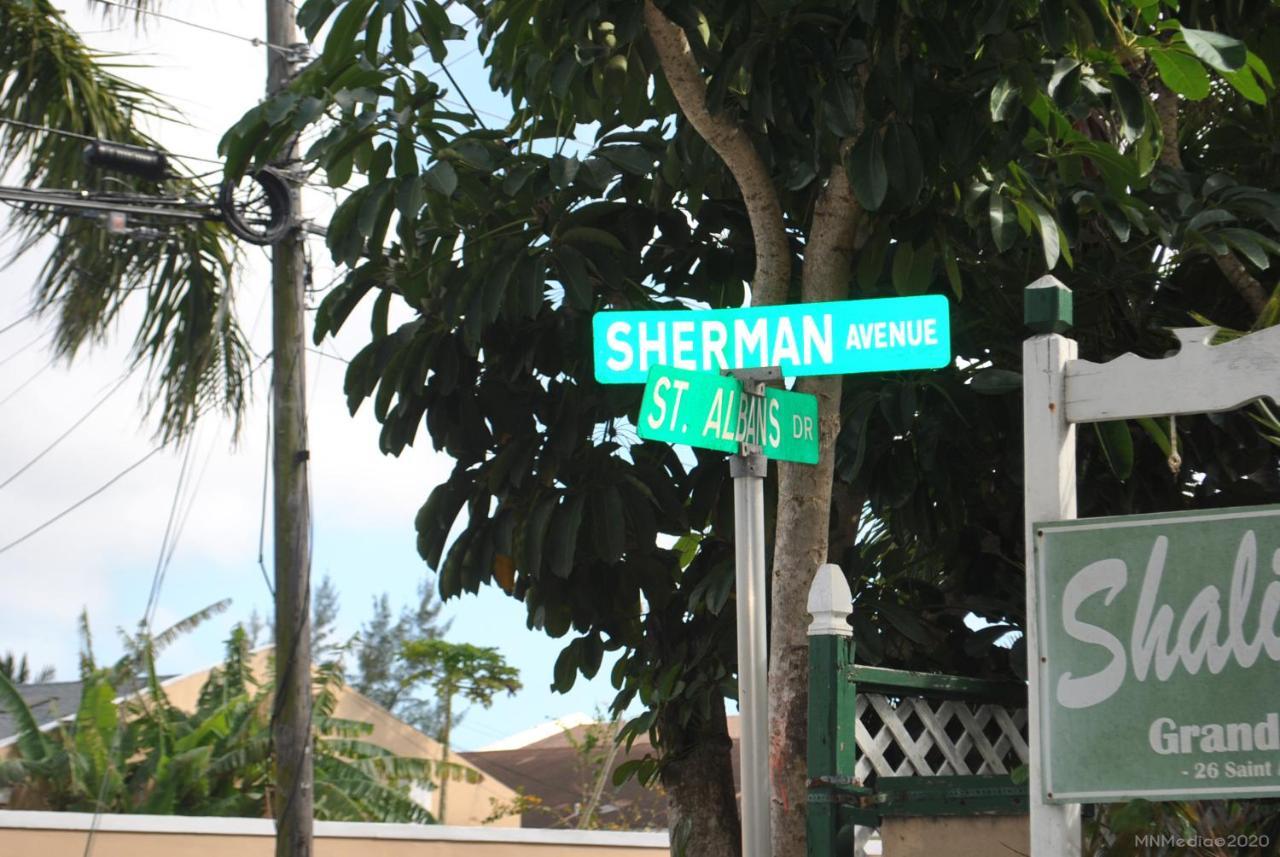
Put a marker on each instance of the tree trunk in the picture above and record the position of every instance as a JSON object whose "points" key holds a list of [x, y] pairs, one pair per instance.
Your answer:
{"points": [[1245, 284], [444, 753], [803, 528], [702, 810], [804, 493]]}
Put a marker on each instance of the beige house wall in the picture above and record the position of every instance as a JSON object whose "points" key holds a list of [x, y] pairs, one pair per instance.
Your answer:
{"points": [[45, 834], [967, 836], [471, 798]]}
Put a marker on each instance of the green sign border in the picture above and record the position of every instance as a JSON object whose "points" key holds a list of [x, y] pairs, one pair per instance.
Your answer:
{"points": [[798, 405], [1046, 707]]}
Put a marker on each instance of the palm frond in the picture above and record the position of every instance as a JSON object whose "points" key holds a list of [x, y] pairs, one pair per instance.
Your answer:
{"points": [[190, 342], [32, 743], [166, 637]]}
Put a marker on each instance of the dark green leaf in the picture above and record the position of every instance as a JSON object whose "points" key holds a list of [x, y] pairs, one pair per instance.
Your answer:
{"points": [[564, 535], [563, 170], [871, 260], [609, 524], [574, 277], [1221, 52], [902, 162], [1181, 73], [517, 177], [1117, 446], [339, 45], [840, 107], [1131, 104], [277, 108], [565, 672], [996, 382], [1004, 99], [533, 533], [633, 159], [1053, 18], [1243, 81], [866, 168], [1064, 84], [1004, 221], [441, 178], [1050, 236], [913, 268]]}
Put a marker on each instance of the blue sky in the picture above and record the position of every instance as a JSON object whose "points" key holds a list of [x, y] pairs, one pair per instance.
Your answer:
{"points": [[103, 555]]}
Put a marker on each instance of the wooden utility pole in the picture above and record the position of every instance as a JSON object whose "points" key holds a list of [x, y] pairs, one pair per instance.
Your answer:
{"points": [[291, 712]]}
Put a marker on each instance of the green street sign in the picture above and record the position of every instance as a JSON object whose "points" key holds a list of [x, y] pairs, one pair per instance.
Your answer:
{"points": [[1160, 656], [705, 410], [832, 338]]}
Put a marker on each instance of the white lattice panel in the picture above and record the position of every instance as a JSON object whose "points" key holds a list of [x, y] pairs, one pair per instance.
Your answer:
{"points": [[913, 736]]}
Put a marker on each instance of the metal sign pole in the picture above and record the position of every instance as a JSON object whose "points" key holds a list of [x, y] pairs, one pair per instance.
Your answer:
{"points": [[748, 470]]}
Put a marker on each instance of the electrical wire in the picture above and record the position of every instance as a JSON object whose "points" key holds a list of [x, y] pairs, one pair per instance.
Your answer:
{"points": [[192, 495], [319, 353], [11, 325], [463, 96], [89, 138], [60, 438], [28, 382], [153, 596], [253, 40], [22, 350], [76, 505], [445, 66], [262, 526]]}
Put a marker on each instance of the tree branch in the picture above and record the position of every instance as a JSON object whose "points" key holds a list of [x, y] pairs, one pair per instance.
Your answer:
{"points": [[1166, 105], [802, 531], [833, 240], [728, 139]]}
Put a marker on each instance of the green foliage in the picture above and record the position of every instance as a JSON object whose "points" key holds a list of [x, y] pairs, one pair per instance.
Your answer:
{"points": [[18, 670], [478, 673], [189, 339], [1116, 829], [324, 616], [987, 143], [380, 673], [144, 755]]}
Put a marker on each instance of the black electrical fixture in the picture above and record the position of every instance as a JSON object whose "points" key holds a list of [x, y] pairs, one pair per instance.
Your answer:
{"points": [[122, 157]]}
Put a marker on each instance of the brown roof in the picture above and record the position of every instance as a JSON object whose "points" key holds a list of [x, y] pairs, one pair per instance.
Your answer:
{"points": [[560, 772]]}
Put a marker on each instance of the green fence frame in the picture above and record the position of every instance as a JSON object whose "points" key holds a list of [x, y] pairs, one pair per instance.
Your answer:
{"points": [[836, 800]]}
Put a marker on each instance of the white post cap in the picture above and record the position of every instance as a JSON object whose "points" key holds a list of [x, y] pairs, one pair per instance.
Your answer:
{"points": [[830, 603]]}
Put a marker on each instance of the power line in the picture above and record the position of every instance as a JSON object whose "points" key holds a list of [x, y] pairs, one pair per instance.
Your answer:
{"points": [[253, 40], [22, 350], [262, 527], [467, 101], [58, 517], [28, 382], [11, 325], [42, 453], [193, 493], [89, 138], [153, 595], [320, 353], [445, 66]]}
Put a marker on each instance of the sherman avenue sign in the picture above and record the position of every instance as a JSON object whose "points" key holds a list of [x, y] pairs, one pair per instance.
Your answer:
{"points": [[1160, 655], [680, 356], [710, 411], [837, 338]]}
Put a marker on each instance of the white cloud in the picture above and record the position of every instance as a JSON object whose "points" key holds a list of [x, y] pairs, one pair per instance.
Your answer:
{"points": [[104, 554]]}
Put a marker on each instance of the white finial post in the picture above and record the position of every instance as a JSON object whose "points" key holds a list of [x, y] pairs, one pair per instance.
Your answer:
{"points": [[830, 603], [832, 742]]}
